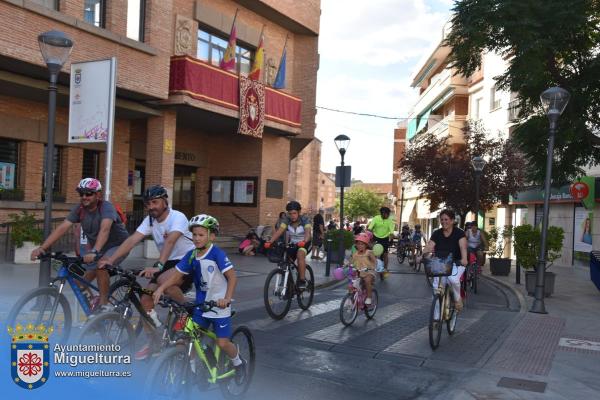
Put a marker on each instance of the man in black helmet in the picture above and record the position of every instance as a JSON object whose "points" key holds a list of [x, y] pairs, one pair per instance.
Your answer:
{"points": [[169, 229], [298, 229]]}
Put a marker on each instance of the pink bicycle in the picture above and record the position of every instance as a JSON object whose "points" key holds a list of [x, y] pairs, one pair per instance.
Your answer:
{"points": [[355, 299]]}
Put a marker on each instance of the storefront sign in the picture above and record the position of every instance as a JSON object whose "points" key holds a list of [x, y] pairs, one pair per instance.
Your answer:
{"points": [[571, 193], [7, 175], [183, 156], [582, 229], [91, 105]]}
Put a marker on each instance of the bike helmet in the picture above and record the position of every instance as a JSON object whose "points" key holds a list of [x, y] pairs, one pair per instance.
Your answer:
{"points": [[205, 221], [89, 185], [155, 192], [293, 205], [417, 226], [384, 210], [362, 237]]}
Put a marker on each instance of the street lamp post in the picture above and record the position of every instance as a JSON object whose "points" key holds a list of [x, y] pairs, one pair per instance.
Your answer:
{"points": [[401, 205], [342, 142], [55, 47], [554, 101], [478, 166]]}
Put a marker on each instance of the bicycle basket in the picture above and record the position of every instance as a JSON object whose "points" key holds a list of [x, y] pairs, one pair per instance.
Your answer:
{"points": [[276, 252], [438, 267]]}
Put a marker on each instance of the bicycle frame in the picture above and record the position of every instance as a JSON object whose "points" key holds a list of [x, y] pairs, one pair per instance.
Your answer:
{"points": [[65, 275], [443, 289]]}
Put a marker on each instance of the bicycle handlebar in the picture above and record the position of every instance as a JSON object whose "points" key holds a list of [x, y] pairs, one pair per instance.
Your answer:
{"points": [[207, 306]]}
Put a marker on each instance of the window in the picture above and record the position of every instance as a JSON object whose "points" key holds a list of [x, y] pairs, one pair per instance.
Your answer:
{"points": [[211, 48], [136, 13], [9, 159], [57, 170], [94, 12], [494, 98], [238, 191], [477, 108], [53, 4], [91, 164]]}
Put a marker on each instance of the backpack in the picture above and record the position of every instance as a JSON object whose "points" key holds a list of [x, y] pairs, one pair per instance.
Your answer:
{"points": [[118, 208]]}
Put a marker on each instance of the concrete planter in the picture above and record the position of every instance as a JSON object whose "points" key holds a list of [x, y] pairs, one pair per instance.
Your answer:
{"points": [[500, 266], [23, 254], [549, 279], [150, 249]]}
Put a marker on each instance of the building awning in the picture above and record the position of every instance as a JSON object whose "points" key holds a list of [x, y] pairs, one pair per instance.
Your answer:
{"points": [[435, 214], [423, 120], [423, 209], [407, 210], [412, 129]]}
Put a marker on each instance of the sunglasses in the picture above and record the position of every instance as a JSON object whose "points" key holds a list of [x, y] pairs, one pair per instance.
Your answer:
{"points": [[86, 194]]}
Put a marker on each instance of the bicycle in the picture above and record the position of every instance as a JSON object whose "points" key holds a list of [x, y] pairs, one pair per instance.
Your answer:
{"points": [[49, 305], [472, 271], [281, 283], [442, 305], [354, 301], [402, 251], [191, 360]]}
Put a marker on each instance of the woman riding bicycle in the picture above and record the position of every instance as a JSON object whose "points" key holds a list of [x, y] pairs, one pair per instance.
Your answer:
{"points": [[476, 243], [450, 240]]}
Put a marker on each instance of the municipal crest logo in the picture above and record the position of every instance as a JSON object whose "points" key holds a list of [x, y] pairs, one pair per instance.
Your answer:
{"points": [[30, 355], [77, 76]]}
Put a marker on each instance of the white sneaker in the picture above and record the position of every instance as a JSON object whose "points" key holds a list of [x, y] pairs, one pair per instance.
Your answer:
{"points": [[368, 301]]}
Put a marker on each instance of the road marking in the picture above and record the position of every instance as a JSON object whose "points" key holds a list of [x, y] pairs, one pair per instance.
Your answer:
{"points": [[295, 315], [579, 344]]}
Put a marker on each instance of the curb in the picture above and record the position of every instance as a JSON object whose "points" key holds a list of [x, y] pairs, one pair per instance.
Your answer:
{"points": [[518, 294], [329, 284]]}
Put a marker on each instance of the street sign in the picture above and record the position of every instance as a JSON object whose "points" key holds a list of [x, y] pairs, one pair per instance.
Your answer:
{"points": [[347, 176]]}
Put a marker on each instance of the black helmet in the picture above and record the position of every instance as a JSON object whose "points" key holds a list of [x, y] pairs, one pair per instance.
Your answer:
{"points": [[417, 226], [384, 210], [293, 205], [155, 192]]}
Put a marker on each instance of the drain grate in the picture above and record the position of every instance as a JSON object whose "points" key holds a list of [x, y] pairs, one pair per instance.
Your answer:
{"points": [[522, 384]]}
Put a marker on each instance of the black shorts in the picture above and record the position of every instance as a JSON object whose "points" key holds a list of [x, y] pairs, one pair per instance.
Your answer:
{"points": [[385, 242], [293, 251], [188, 280]]}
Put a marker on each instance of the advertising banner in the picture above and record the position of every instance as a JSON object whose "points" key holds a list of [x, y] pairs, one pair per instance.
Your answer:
{"points": [[91, 103], [582, 230], [7, 175]]}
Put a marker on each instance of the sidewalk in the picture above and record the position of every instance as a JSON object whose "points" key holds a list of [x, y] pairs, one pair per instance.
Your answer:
{"points": [[544, 356]]}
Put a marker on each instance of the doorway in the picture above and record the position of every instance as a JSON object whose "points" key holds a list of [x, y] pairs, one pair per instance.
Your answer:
{"points": [[184, 190]]}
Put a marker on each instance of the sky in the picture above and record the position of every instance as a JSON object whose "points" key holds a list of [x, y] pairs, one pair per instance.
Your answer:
{"points": [[368, 53]]}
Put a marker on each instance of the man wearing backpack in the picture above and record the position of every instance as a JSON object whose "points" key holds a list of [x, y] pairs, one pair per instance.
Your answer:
{"points": [[102, 227]]}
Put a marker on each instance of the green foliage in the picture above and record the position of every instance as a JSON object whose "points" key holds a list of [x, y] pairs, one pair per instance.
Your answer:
{"points": [[498, 238], [546, 43], [23, 229], [360, 202], [528, 241], [335, 236]]}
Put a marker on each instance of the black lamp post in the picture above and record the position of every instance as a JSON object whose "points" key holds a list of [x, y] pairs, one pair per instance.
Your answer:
{"points": [[478, 166], [55, 47], [403, 187], [554, 101], [342, 142]]}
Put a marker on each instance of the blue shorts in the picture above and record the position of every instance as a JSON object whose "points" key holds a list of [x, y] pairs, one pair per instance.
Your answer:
{"points": [[221, 326]]}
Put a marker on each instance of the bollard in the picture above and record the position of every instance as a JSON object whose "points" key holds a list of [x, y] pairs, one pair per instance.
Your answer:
{"points": [[518, 272], [329, 251]]}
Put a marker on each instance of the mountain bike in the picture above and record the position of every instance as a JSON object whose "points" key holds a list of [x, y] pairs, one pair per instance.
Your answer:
{"points": [[49, 305], [196, 359], [472, 271], [442, 305], [355, 299], [402, 251], [281, 283]]}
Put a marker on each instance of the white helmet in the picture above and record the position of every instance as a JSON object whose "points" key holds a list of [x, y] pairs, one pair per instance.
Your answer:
{"points": [[89, 185], [205, 221]]}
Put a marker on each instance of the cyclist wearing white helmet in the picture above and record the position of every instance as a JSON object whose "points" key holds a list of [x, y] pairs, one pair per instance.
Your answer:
{"points": [[101, 228], [215, 280], [169, 229], [298, 229]]}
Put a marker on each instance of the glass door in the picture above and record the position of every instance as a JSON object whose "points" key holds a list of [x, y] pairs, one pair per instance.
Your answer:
{"points": [[184, 190]]}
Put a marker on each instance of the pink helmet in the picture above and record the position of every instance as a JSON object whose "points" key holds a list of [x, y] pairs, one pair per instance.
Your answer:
{"points": [[89, 185], [369, 234], [362, 237]]}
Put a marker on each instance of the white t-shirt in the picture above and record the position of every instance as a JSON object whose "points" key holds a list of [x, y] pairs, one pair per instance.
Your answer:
{"points": [[176, 221]]}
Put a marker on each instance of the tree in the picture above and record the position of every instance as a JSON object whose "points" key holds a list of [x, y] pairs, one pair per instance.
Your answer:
{"points": [[445, 175], [360, 202], [547, 43]]}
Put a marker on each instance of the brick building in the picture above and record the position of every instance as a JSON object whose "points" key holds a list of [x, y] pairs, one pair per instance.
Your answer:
{"points": [[304, 175], [171, 127], [327, 194]]}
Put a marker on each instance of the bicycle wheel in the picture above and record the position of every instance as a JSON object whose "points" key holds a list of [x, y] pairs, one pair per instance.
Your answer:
{"points": [[372, 308], [401, 255], [43, 306], [451, 321], [109, 328], [435, 322], [277, 302], [117, 293], [305, 297], [236, 387], [474, 279], [168, 376], [348, 309]]}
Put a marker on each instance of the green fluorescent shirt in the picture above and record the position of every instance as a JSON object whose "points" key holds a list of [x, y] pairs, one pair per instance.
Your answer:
{"points": [[382, 228]]}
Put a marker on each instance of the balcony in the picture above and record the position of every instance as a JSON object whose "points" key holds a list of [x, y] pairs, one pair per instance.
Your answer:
{"points": [[452, 127], [440, 85], [207, 87], [513, 111]]}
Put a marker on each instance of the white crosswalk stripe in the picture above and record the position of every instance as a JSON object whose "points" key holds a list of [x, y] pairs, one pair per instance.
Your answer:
{"points": [[294, 315]]}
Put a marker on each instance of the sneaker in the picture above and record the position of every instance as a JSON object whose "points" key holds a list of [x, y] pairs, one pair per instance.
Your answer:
{"points": [[458, 305], [104, 308], [240, 372], [94, 303], [180, 323], [144, 352], [368, 301], [301, 284]]}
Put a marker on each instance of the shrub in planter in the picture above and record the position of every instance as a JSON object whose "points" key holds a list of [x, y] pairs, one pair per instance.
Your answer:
{"points": [[527, 249], [497, 240], [23, 229]]}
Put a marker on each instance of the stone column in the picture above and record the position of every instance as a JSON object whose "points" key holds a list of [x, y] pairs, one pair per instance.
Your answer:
{"points": [[31, 170], [160, 150]]}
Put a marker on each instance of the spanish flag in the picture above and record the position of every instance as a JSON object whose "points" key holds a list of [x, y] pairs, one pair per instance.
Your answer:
{"points": [[258, 59], [228, 60]]}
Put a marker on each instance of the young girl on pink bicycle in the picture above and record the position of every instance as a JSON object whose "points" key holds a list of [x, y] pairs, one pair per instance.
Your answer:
{"points": [[363, 259]]}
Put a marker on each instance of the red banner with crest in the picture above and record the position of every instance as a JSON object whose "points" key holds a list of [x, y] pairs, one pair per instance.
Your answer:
{"points": [[252, 107]]}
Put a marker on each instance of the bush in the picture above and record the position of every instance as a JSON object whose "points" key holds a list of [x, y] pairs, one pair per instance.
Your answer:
{"points": [[335, 236], [23, 229], [528, 241], [498, 239]]}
